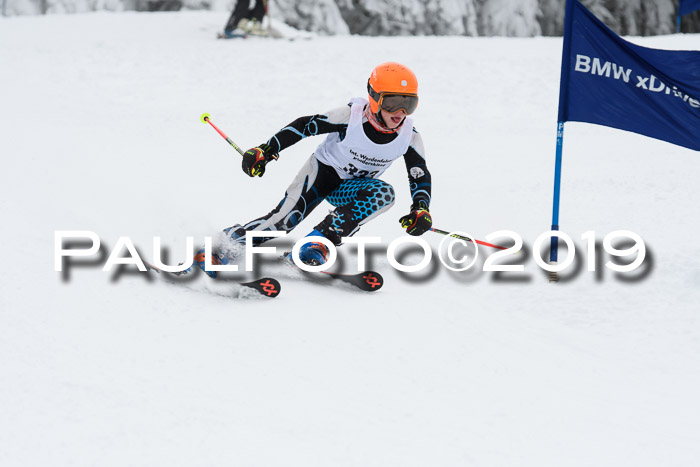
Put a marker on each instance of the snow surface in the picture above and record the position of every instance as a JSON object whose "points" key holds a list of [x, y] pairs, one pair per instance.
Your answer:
{"points": [[101, 132]]}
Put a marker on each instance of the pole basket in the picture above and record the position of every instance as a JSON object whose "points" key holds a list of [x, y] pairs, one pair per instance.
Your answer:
{"points": [[553, 275]]}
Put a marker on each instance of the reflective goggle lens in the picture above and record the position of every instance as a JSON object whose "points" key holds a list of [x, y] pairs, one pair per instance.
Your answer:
{"points": [[395, 102]]}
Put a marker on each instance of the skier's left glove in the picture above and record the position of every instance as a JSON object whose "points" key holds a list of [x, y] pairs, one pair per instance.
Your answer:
{"points": [[255, 159], [417, 223]]}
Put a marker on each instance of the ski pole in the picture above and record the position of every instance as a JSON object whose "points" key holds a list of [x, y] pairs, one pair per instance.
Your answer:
{"points": [[461, 237], [205, 118]]}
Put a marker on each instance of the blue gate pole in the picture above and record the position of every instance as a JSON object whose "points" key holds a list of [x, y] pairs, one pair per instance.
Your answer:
{"points": [[678, 23], [554, 245], [562, 117]]}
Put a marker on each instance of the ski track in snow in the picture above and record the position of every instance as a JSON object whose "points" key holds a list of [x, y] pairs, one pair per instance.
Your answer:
{"points": [[101, 132]]}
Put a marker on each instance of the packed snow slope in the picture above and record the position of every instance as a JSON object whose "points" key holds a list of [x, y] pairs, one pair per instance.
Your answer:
{"points": [[100, 132]]}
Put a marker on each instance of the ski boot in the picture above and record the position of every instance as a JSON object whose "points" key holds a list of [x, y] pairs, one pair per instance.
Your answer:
{"points": [[224, 253], [313, 253], [216, 259]]}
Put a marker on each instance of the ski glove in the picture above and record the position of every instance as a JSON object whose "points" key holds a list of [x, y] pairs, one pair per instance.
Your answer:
{"points": [[255, 159], [417, 223]]}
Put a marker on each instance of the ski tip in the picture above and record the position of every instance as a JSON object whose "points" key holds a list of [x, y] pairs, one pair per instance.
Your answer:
{"points": [[267, 286], [150, 267], [368, 281], [371, 281]]}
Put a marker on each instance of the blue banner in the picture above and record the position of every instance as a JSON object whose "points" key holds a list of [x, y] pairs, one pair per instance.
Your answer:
{"points": [[687, 6], [608, 81]]}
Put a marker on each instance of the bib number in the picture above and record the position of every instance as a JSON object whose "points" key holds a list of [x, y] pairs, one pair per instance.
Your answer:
{"points": [[354, 172]]}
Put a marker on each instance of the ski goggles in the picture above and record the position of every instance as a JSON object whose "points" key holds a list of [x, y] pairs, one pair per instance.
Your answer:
{"points": [[394, 102]]}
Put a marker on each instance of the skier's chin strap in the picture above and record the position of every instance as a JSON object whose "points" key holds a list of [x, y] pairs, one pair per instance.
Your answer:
{"points": [[378, 123]]}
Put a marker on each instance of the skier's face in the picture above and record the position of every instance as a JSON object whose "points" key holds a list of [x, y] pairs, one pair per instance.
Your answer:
{"points": [[393, 120]]}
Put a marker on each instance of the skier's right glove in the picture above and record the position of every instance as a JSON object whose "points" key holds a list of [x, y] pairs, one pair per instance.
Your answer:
{"points": [[417, 223], [255, 159]]}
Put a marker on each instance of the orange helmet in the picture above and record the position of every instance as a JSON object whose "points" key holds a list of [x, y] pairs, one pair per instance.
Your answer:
{"points": [[392, 87]]}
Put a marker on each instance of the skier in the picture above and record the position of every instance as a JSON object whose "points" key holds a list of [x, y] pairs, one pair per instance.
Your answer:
{"points": [[363, 138], [251, 11]]}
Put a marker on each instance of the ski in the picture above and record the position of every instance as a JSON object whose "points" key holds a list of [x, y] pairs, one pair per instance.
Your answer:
{"points": [[266, 286], [232, 35], [264, 33], [369, 281]]}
